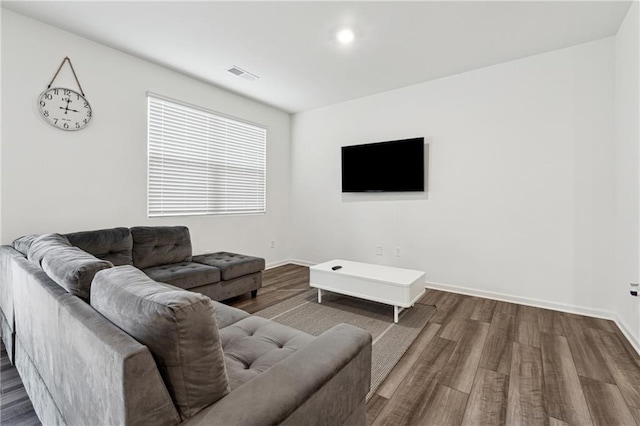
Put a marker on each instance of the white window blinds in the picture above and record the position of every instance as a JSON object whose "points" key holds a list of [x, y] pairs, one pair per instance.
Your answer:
{"points": [[200, 162]]}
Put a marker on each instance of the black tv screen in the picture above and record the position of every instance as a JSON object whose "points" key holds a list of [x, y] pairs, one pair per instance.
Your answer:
{"points": [[394, 166]]}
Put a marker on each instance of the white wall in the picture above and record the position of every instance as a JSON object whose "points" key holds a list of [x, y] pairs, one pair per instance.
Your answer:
{"points": [[627, 191], [520, 199], [56, 181]]}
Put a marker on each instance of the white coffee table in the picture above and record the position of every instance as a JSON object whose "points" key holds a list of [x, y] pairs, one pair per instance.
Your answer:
{"points": [[400, 288]]}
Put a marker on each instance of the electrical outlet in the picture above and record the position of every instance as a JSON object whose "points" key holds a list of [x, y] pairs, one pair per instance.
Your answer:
{"points": [[273, 243], [397, 251], [378, 250]]}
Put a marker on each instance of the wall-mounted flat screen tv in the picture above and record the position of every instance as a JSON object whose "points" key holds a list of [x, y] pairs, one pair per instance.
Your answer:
{"points": [[394, 166]]}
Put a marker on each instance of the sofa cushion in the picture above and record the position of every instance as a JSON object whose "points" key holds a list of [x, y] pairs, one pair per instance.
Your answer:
{"points": [[159, 245], [178, 327], [72, 268], [227, 315], [185, 275], [114, 245], [253, 344], [231, 265], [22, 244], [43, 243]]}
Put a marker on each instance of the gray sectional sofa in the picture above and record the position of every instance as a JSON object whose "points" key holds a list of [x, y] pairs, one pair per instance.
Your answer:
{"points": [[98, 344]]}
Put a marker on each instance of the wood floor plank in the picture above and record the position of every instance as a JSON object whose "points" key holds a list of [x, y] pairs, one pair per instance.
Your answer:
{"points": [[623, 366], [600, 324], [606, 404], [487, 404], [446, 407], [453, 329], [375, 406], [461, 368], [483, 310], [496, 355], [583, 343], [563, 393], [505, 308], [466, 307], [410, 400], [527, 329], [408, 361], [555, 422], [445, 308], [432, 296], [635, 412], [15, 405], [550, 322], [526, 400]]}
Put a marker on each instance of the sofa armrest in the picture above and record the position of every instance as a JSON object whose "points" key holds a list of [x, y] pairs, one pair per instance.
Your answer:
{"points": [[321, 383]]}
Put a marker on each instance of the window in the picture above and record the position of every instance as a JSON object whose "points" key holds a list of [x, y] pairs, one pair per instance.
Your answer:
{"points": [[201, 162]]}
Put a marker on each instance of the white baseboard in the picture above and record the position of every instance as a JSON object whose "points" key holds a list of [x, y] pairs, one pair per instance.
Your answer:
{"points": [[302, 262], [278, 263], [287, 262]]}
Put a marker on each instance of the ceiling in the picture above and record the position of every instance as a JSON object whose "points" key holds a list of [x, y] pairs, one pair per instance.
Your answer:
{"points": [[291, 45]]}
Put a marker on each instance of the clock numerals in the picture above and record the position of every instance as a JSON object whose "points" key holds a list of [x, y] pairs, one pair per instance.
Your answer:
{"points": [[65, 109]]}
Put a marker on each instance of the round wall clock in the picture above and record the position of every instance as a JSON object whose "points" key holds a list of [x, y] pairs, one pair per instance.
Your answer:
{"points": [[65, 109]]}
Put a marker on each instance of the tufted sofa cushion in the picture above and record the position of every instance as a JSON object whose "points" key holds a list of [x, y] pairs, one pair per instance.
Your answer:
{"points": [[253, 344], [114, 245], [178, 327], [231, 265], [159, 245], [185, 275]]}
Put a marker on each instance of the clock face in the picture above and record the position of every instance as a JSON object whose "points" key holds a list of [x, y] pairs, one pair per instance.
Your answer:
{"points": [[65, 109]]}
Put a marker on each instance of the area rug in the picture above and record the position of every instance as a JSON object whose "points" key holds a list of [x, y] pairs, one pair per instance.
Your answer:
{"points": [[390, 340]]}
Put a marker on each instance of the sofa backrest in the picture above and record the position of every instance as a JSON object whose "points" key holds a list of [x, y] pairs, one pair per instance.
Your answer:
{"points": [[178, 326], [92, 371], [160, 245], [113, 244]]}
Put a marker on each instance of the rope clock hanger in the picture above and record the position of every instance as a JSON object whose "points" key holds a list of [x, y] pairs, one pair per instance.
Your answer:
{"points": [[63, 108]]}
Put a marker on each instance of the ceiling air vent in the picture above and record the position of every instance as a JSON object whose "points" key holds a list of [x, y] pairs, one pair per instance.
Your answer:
{"points": [[237, 71]]}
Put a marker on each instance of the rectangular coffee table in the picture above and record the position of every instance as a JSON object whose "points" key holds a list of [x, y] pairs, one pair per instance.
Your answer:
{"points": [[400, 288]]}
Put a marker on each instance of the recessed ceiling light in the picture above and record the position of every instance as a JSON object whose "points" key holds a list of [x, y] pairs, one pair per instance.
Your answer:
{"points": [[345, 36]]}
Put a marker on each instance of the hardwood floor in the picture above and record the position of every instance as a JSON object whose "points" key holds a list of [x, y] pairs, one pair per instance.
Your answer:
{"points": [[15, 406], [477, 362]]}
